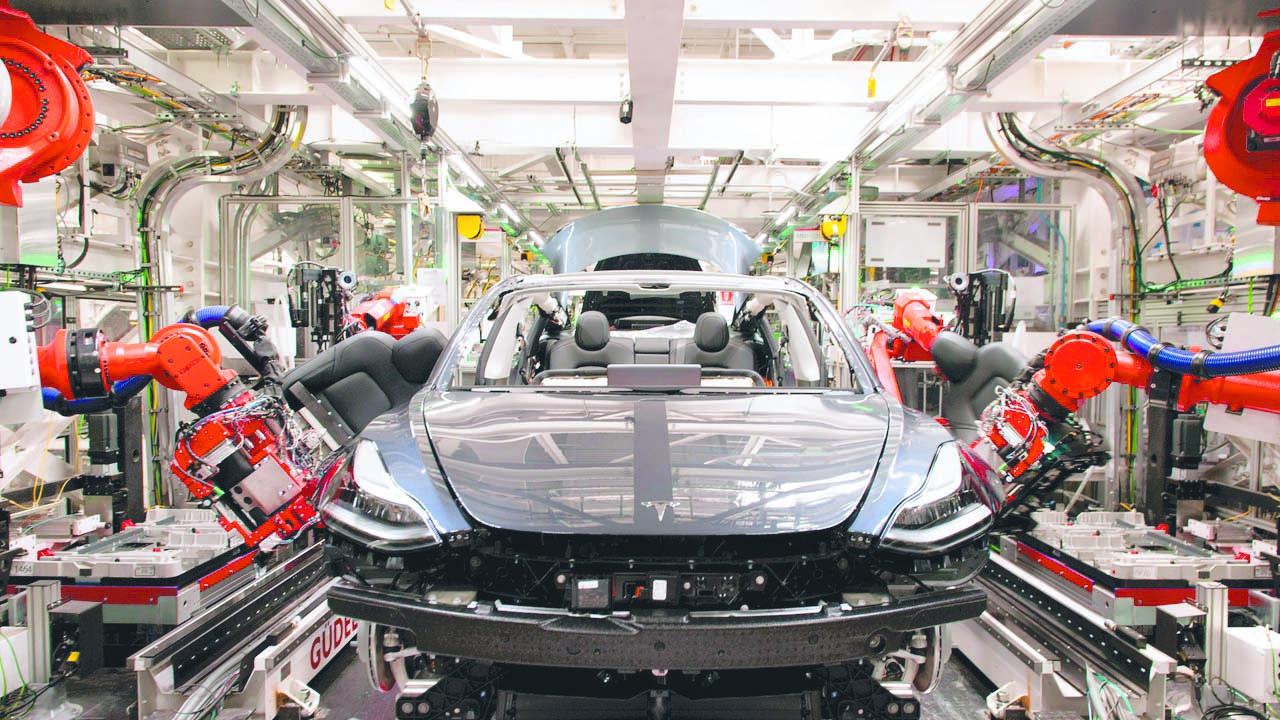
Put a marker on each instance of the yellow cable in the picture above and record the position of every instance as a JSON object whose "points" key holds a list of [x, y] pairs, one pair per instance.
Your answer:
{"points": [[61, 488], [38, 487]]}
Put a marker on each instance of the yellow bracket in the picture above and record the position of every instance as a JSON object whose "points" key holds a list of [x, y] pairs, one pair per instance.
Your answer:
{"points": [[470, 227], [833, 227]]}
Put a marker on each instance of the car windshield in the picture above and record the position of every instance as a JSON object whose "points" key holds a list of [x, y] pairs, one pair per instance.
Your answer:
{"points": [[716, 333]]}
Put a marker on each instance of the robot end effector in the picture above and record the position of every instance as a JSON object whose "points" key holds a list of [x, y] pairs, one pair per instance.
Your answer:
{"points": [[232, 453], [1029, 434]]}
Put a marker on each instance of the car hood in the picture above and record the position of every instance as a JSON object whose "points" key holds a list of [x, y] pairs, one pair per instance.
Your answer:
{"points": [[651, 464]]}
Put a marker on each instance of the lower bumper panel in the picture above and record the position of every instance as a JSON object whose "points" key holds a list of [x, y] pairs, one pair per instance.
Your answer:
{"points": [[673, 641]]}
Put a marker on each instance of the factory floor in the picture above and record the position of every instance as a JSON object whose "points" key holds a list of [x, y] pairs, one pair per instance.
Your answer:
{"points": [[347, 695]]}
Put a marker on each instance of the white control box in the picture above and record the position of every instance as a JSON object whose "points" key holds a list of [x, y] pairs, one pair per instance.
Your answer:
{"points": [[905, 241], [17, 663], [20, 380], [1253, 661]]}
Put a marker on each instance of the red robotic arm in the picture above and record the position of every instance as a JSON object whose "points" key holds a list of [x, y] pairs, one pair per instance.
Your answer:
{"points": [[915, 327], [1079, 365], [51, 117], [1242, 134], [1082, 364], [913, 315], [182, 357], [384, 312], [232, 454]]}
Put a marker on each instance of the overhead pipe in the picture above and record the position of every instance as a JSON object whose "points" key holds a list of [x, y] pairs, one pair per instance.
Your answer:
{"points": [[711, 183], [737, 163], [161, 187], [992, 19], [308, 34], [1112, 180], [168, 181], [564, 167], [1123, 223], [591, 185]]}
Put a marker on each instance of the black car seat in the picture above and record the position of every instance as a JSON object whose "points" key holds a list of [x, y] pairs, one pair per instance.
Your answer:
{"points": [[974, 374], [714, 346], [358, 379], [590, 346]]}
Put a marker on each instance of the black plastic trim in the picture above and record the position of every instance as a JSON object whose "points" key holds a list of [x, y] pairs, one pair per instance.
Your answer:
{"points": [[668, 640]]}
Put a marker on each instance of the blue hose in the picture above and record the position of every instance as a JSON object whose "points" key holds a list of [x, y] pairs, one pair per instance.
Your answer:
{"points": [[1177, 360], [211, 316], [120, 393]]}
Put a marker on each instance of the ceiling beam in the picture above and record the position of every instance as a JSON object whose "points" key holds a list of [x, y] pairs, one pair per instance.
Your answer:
{"points": [[654, 29], [803, 47], [923, 15], [1041, 83], [522, 165], [771, 40], [578, 13], [468, 41]]}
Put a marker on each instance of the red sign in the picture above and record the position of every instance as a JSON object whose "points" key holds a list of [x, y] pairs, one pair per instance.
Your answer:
{"points": [[331, 639]]}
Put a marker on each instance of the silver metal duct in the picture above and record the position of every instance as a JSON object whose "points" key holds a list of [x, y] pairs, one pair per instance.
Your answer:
{"points": [[169, 180], [1123, 226]]}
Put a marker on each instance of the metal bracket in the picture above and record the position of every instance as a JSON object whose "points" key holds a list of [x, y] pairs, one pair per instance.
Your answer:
{"points": [[204, 115], [1207, 63], [302, 694], [380, 114], [1094, 127]]}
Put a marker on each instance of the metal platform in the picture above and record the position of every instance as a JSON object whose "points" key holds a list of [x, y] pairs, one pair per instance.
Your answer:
{"points": [[158, 572], [265, 642], [1037, 641]]}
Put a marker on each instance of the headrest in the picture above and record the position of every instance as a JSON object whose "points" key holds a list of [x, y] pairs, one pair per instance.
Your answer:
{"points": [[592, 332], [711, 333], [415, 354], [652, 346]]}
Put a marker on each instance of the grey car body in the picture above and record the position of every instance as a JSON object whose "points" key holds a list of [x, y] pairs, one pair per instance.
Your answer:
{"points": [[530, 492], [856, 456]]}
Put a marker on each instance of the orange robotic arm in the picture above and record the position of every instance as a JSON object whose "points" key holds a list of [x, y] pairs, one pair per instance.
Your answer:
{"points": [[83, 363], [232, 454], [1082, 364]]}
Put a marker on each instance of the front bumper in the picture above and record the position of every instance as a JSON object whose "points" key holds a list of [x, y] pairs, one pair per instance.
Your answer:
{"points": [[672, 640]]}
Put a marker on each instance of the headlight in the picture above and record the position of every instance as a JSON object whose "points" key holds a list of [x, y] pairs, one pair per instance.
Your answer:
{"points": [[943, 515], [365, 504]]}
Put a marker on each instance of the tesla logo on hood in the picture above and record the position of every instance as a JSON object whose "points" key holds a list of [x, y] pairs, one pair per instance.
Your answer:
{"points": [[660, 506]]}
